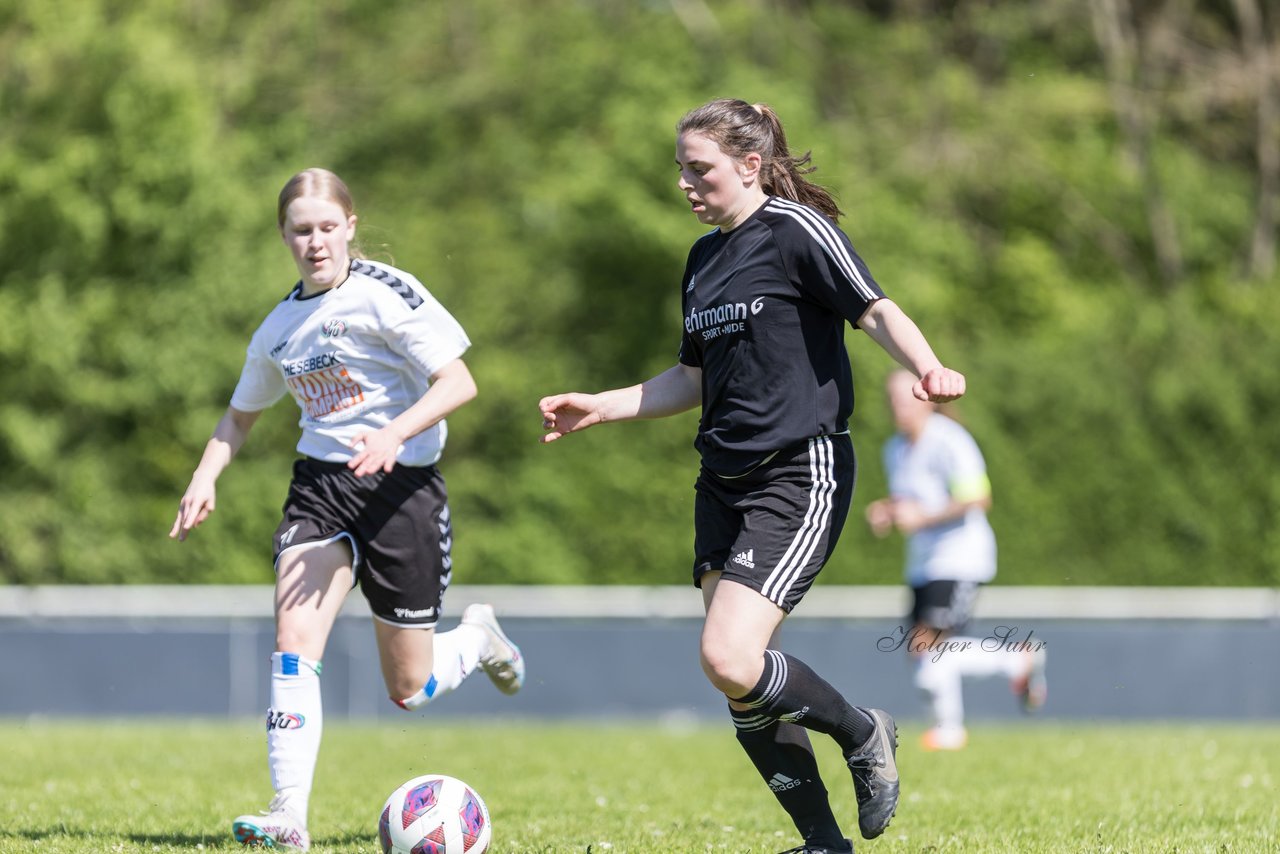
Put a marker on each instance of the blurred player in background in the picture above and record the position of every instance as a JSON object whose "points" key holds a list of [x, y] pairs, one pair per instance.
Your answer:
{"points": [[767, 295], [375, 364], [939, 495]]}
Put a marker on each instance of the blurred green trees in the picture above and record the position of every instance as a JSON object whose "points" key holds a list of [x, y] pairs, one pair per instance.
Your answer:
{"points": [[1075, 200]]}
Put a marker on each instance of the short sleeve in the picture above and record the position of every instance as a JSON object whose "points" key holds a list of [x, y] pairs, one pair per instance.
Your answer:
{"points": [[426, 334], [826, 266], [966, 469], [261, 382], [892, 456], [688, 353]]}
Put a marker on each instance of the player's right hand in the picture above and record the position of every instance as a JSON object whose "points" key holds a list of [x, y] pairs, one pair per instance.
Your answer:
{"points": [[563, 414], [194, 508]]}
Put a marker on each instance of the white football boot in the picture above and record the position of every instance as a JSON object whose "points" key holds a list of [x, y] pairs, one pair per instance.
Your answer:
{"points": [[502, 659], [278, 827]]}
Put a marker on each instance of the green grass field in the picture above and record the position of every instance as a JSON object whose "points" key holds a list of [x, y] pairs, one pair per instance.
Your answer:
{"points": [[164, 786]]}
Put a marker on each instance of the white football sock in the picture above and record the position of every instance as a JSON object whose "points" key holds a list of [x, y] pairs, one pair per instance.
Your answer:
{"points": [[973, 660], [940, 682], [455, 655], [294, 725]]}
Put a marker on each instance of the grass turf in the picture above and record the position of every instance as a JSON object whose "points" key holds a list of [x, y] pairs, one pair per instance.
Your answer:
{"points": [[164, 786]]}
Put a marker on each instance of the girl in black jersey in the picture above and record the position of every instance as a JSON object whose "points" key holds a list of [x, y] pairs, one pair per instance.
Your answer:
{"points": [[766, 297]]}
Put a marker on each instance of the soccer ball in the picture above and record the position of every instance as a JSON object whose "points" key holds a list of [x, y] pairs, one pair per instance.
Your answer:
{"points": [[434, 814]]}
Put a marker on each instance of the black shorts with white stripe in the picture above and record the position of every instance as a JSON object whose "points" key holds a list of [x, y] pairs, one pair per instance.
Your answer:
{"points": [[945, 605], [773, 528], [397, 524]]}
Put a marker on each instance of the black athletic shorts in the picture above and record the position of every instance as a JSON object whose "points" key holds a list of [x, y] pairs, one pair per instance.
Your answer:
{"points": [[944, 605], [774, 527], [397, 524]]}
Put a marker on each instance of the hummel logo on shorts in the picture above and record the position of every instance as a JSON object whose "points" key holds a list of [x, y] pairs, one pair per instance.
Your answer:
{"points": [[747, 558], [780, 782], [287, 536]]}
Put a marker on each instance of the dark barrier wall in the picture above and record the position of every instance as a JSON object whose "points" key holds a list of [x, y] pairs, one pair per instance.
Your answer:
{"points": [[637, 667]]}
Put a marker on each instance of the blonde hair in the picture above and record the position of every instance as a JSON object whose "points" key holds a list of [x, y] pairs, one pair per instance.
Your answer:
{"points": [[740, 128], [323, 184]]}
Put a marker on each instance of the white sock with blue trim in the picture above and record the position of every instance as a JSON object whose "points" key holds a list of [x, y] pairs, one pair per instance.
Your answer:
{"points": [[455, 655], [294, 724]]}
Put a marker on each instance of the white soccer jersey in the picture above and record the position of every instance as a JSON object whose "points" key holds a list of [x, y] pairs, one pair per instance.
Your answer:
{"points": [[942, 465], [354, 357]]}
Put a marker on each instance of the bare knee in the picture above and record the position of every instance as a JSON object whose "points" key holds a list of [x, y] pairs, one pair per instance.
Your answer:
{"points": [[407, 656], [733, 673], [402, 685]]}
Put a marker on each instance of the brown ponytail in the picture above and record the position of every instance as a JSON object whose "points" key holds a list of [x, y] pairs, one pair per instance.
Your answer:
{"points": [[740, 128]]}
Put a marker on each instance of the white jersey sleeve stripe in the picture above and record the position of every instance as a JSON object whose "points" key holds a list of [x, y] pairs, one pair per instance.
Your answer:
{"points": [[401, 287], [822, 231], [825, 233]]}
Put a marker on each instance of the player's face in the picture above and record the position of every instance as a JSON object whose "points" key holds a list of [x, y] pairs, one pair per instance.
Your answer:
{"points": [[317, 232], [721, 190]]}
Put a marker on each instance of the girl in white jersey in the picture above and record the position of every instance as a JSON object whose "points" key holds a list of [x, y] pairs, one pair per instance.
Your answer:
{"points": [[766, 296], [374, 363], [939, 494]]}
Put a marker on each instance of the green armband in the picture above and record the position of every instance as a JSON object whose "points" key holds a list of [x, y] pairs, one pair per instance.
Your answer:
{"points": [[973, 488]]}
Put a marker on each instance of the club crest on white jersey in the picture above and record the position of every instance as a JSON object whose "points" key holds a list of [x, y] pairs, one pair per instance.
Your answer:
{"points": [[353, 358]]}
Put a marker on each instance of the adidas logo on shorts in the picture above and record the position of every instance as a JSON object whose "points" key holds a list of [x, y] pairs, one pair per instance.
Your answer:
{"points": [[747, 558]]}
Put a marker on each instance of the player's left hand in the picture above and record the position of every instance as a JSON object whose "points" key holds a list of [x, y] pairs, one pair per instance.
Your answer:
{"points": [[880, 516], [939, 385], [376, 450]]}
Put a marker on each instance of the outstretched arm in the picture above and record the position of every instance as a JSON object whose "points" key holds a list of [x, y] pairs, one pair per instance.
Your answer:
{"points": [[199, 499], [899, 336], [675, 390]]}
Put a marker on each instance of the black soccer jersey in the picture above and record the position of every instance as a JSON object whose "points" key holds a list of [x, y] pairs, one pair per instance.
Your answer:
{"points": [[764, 313]]}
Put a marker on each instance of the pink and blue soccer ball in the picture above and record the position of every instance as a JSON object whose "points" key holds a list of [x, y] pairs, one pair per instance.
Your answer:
{"points": [[434, 814]]}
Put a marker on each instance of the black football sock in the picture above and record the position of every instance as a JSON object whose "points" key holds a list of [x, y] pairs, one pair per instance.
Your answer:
{"points": [[782, 754], [789, 690]]}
